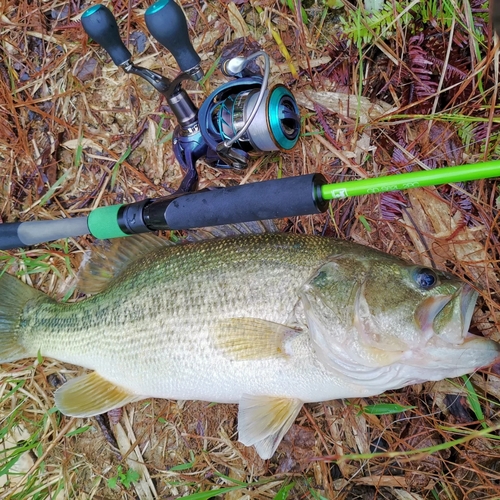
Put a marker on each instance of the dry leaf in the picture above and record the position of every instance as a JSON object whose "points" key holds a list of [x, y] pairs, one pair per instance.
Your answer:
{"points": [[448, 238], [237, 22], [346, 104], [83, 143]]}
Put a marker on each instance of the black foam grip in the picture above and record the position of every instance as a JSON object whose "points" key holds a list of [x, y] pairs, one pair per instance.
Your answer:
{"points": [[166, 22], [100, 24], [258, 201], [9, 237]]}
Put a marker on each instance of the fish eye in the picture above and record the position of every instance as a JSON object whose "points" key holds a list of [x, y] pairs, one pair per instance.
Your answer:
{"points": [[425, 278]]}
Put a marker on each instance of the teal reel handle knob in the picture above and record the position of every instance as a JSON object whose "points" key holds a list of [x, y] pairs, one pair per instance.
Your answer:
{"points": [[166, 22], [100, 25]]}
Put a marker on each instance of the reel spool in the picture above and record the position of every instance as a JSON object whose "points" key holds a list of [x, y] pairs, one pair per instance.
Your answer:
{"points": [[225, 113]]}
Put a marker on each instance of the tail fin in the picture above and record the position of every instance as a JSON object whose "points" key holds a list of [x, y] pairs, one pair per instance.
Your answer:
{"points": [[14, 295]]}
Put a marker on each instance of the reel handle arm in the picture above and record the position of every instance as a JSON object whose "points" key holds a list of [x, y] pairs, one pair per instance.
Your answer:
{"points": [[100, 24], [161, 83], [166, 22]]}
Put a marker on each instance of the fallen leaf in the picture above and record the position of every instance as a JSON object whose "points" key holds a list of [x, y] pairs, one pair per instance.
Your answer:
{"points": [[346, 104], [84, 143], [236, 21]]}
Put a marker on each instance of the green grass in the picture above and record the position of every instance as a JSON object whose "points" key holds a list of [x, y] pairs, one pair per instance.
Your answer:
{"points": [[23, 438], [284, 492], [186, 466], [237, 485], [384, 409], [118, 164], [362, 27], [469, 435], [43, 261]]}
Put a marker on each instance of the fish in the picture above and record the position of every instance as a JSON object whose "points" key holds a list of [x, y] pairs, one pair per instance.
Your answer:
{"points": [[266, 321]]}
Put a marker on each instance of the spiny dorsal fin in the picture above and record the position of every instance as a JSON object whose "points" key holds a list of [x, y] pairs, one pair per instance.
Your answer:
{"points": [[90, 395], [252, 227], [108, 258], [252, 338], [264, 420]]}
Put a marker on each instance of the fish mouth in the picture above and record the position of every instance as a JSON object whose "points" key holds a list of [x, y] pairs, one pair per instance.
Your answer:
{"points": [[428, 311], [467, 304], [451, 349], [427, 315]]}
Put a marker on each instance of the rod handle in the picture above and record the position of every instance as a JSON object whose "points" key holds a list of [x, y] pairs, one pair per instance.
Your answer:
{"points": [[251, 202], [100, 25], [166, 22]]}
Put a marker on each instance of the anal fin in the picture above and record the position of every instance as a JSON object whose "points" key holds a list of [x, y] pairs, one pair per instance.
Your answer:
{"points": [[90, 395], [264, 420]]}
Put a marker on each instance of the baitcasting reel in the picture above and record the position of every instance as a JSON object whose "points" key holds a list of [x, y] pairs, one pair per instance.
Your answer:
{"points": [[240, 119]]}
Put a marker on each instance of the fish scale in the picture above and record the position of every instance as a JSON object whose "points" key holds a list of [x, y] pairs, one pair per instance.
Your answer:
{"points": [[267, 321], [167, 306]]}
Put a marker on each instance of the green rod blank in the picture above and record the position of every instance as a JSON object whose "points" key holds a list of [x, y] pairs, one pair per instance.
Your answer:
{"points": [[398, 182]]}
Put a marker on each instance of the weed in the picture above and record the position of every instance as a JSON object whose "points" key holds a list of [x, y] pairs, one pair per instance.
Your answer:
{"points": [[124, 478]]}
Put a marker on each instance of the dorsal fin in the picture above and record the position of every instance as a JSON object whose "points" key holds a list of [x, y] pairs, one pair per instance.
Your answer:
{"points": [[252, 227], [108, 258]]}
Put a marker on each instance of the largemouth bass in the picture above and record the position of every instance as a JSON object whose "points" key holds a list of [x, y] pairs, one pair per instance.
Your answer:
{"points": [[267, 321]]}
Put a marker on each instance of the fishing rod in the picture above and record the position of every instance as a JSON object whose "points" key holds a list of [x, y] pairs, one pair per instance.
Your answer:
{"points": [[287, 197], [240, 120]]}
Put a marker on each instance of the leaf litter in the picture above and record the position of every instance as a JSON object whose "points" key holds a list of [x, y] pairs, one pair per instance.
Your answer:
{"points": [[411, 86]]}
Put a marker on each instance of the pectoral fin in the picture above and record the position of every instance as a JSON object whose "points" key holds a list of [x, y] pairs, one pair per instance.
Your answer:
{"points": [[252, 338], [263, 421], [91, 395]]}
